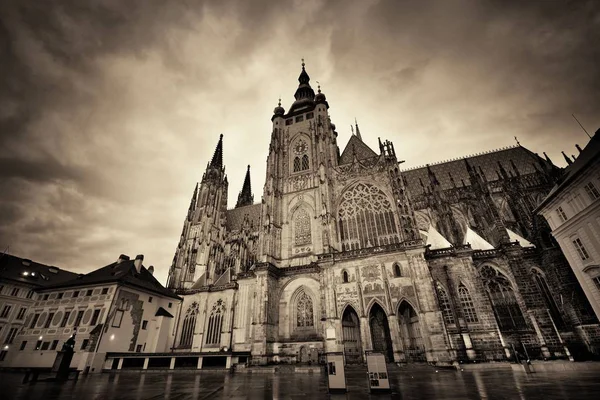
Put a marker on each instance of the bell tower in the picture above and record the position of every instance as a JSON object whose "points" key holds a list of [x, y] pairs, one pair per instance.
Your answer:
{"points": [[297, 194]]}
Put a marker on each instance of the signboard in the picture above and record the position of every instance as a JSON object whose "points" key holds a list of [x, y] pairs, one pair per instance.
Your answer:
{"points": [[377, 372], [336, 377]]}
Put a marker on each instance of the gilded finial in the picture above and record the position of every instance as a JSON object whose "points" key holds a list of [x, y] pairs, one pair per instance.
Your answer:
{"points": [[318, 86], [279, 103], [302, 63]]}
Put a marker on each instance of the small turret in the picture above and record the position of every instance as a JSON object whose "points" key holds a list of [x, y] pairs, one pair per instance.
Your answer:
{"points": [[245, 198], [567, 159]]}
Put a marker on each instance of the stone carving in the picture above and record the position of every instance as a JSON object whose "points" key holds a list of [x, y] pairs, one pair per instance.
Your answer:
{"points": [[370, 273]]}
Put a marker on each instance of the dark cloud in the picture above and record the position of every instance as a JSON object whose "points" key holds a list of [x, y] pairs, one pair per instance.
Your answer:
{"points": [[110, 110]]}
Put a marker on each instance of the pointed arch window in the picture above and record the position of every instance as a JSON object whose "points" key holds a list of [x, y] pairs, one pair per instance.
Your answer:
{"points": [[188, 326], [445, 306], [366, 218], [542, 284], [466, 302], [304, 162], [345, 277], [302, 234], [301, 159], [504, 301], [304, 311], [297, 164], [215, 323], [397, 271]]}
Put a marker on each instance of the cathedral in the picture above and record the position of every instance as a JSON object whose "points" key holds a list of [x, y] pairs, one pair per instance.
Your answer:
{"points": [[348, 252]]}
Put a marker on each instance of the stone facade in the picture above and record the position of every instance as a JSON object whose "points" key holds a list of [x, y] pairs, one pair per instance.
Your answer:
{"points": [[347, 252]]}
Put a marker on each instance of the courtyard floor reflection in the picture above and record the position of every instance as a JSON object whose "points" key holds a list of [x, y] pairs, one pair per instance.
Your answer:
{"points": [[406, 384]]}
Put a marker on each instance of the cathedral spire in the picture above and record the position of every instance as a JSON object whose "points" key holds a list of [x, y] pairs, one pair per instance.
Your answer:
{"points": [[217, 160], [357, 130], [193, 203], [245, 198]]}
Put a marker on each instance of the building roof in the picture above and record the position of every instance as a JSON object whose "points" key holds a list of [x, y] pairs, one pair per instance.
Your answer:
{"points": [[358, 147], [488, 162], [235, 217], [31, 273], [435, 239], [122, 273], [476, 241], [587, 157]]}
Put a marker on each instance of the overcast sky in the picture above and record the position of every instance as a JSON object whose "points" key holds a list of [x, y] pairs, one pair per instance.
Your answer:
{"points": [[110, 110]]}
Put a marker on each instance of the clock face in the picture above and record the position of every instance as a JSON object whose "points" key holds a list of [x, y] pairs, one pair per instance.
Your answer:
{"points": [[300, 147]]}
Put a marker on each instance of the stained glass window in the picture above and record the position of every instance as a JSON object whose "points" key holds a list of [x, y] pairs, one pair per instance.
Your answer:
{"points": [[187, 329], [215, 322], [445, 306], [304, 311], [467, 305], [302, 228], [366, 218], [503, 298]]}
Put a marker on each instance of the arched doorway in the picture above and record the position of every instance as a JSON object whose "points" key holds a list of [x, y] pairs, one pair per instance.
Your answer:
{"points": [[351, 336], [410, 331], [380, 332]]}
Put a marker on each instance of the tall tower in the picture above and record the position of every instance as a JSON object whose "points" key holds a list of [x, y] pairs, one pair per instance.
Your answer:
{"points": [[198, 258], [297, 195]]}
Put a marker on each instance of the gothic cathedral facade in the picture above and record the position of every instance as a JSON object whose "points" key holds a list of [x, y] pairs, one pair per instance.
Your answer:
{"points": [[347, 252]]}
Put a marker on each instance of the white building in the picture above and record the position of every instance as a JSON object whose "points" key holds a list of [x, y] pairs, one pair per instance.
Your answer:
{"points": [[19, 278], [120, 308], [572, 210]]}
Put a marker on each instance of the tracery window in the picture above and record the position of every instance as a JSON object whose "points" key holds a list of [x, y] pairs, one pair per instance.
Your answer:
{"points": [[189, 324], [302, 233], [301, 161], [445, 305], [504, 301], [215, 322], [542, 285], [466, 302], [304, 311], [366, 218]]}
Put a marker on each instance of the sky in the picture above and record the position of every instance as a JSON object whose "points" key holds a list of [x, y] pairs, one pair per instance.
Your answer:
{"points": [[111, 110]]}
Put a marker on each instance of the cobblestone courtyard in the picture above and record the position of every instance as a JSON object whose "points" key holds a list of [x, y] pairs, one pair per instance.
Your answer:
{"points": [[421, 384]]}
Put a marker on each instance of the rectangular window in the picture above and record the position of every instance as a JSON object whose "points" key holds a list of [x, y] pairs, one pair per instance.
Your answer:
{"points": [[45, 345], [310, 115], [150, 299], [144, 324], [38, 345], [76, 293], [581, 249], [23, 345], [138, 348], [49, 320], [34, 321], [170, 305], [15, 292], [3, 354], [65, 319], [84, 344], [46, 296], [54, 345], [105, 291], [79, 318], [5, 311], [289, 121], [300, 118], [11, 335], [60, 296], [592, 191], [30, 294], [561, 214], [95, 317], [89, 292], [21, 313], [117, 319]]}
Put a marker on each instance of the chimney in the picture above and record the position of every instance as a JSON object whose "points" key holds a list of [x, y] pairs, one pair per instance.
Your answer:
{"points": [[151, 269], [122, 258], [138, 263]]}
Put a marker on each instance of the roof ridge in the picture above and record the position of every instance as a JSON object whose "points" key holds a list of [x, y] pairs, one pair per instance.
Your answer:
{"points": [[463, 157]]}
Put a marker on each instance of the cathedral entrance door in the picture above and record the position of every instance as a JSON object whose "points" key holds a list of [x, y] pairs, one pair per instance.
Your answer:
{"points": [[351, 336], [380, 332], [302, 355], [410, 331]]}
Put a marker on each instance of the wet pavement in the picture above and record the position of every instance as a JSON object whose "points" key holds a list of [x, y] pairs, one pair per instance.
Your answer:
{"points": [[406, 384]]}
